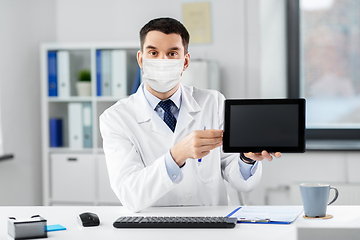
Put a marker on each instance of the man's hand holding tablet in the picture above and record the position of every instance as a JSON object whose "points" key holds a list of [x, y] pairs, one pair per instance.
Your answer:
{"points": [[264, 155]]}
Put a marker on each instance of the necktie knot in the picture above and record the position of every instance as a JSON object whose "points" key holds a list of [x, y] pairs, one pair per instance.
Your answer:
{"points": [[169, 118], [166, 105]]}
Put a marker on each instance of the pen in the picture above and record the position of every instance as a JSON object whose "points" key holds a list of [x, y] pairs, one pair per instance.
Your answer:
{"points": [[244, 220], [199, 160]]}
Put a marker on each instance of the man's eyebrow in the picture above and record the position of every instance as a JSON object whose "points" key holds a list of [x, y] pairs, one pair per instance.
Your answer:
{"points": [[170, 49], [150, 47], [174, 48]]}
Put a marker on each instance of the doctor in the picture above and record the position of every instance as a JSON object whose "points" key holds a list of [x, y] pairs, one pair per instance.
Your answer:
{"points": [[154, 140]]}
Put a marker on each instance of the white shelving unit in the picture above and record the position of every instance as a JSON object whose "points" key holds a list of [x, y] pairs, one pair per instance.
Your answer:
{"points": [[76, 176]]}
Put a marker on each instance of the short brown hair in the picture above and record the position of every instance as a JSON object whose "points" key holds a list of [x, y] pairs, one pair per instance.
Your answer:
{"points": [[167, 26]]}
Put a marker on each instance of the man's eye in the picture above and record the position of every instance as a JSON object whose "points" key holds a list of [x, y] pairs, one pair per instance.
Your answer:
{"points": [[172, 54], [152, 53]]}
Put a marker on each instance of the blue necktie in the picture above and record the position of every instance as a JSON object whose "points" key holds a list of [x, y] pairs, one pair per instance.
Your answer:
{"points": [[169, 118]]}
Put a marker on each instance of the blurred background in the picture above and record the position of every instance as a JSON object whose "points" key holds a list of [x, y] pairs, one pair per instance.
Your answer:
{"points": [[249, 42]]}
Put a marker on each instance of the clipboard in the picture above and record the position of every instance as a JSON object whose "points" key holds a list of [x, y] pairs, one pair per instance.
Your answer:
{"points": [[266, 214]]}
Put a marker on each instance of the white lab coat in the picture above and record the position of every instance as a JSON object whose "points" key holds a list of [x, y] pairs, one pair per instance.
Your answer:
{"points": [[135, 140]]}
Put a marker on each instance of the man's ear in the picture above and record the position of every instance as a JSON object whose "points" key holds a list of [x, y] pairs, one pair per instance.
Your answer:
{"points": [[139, 58], [187, 61]]}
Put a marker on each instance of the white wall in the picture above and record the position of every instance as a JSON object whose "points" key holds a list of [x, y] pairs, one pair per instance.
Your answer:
{"points": [[23, 26], [247, 38], [112, 20]]}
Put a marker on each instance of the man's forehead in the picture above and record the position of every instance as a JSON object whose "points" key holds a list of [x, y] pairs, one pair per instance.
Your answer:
{"points": [[156, 39]]}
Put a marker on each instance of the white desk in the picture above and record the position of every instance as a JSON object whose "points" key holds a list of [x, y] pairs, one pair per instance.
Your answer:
{"points": [[344, 217]]}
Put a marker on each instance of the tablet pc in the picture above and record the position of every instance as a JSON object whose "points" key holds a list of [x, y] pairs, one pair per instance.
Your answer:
{"points": [[274, 125]]}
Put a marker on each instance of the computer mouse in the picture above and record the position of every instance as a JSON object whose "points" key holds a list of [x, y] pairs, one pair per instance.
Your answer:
{"points": [[88, 219]]}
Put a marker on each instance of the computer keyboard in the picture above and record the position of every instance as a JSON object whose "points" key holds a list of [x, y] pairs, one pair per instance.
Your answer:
{"points": [[174, 222]]}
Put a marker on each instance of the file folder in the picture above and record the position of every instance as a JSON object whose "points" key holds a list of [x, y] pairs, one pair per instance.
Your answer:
{"points": [[52, 74], [75, 125], [137, 81], [266, 214], [106, 72], [98, 73], [119, 73], [56, 134], [63, 71], [87, 125]]}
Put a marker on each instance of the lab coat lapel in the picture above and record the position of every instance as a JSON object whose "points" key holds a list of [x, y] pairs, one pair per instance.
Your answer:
{"points": [[188, 110], [146, 115]]}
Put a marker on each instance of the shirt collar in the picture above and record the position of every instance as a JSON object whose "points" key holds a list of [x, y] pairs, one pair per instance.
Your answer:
{"points": [[153, 100]]}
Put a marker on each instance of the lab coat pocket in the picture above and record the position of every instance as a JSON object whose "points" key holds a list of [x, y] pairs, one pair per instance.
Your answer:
{"points": [[209, 169]]}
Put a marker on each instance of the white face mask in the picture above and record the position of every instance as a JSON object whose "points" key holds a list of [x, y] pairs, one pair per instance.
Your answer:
{"points": [[162, 75]]}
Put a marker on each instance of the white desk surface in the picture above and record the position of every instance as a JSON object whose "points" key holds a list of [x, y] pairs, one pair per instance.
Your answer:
{"points": [[344, 216]]}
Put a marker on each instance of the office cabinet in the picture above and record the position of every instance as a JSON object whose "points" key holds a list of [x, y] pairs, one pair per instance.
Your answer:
{"points": [[73, 178], [71, 141], [80, 179], [106, 194]]}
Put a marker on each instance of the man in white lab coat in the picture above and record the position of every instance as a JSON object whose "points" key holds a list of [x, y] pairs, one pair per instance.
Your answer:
{"points": [[168, 153]]}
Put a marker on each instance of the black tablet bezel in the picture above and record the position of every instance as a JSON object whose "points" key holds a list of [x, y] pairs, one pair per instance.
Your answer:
{"points": [[301, 126]]}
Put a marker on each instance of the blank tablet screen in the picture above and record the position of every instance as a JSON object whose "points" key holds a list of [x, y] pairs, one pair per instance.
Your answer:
{"points": [[275, 125]]}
